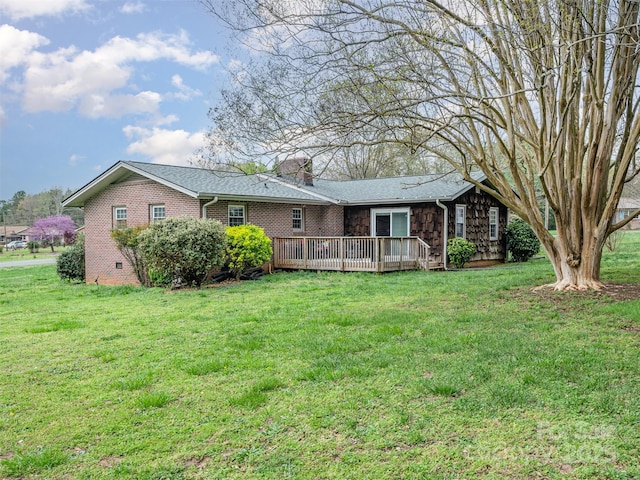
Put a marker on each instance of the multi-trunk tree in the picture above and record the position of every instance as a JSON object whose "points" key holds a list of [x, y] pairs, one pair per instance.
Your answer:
{"points": [[539, 95]]}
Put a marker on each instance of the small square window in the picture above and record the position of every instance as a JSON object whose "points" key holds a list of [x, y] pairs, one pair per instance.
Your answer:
{"points": [[236, 215], [157, 213]]}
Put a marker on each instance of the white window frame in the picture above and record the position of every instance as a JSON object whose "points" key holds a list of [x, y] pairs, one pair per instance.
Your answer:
{"points": [[463, 216], [297, 215], [118, 217], [494, 219], [243, 217], [152, 212], [390, 211]]}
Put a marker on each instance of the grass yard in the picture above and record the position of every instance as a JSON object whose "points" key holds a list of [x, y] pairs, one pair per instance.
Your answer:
{"points": [[466, 374], [25, 254]]}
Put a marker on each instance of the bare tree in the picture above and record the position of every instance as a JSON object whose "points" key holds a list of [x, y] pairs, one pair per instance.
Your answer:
{"points": [[539, 95]]}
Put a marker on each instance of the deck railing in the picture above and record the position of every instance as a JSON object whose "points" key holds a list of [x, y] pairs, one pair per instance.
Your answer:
{"points": [[371, 254]]}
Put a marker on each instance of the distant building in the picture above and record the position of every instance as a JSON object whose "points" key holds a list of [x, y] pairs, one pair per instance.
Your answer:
{"points": [[9, 233], [626, 208]]}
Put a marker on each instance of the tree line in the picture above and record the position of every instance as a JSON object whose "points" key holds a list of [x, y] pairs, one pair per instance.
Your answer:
{"points": [[25, 209]]}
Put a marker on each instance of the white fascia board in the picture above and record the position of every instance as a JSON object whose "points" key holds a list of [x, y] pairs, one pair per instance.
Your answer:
{"points": [[397, 201], [251, 198], [94, 185], [113, 174]]}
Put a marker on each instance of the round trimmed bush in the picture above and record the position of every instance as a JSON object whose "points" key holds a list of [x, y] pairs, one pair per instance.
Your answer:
{"points": [[70, 263], [183, 248], [522, 242], [460, 251], [247, 247]]}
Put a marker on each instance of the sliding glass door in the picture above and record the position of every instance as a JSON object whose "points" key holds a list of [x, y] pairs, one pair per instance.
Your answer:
{"points": [[392, 222]]}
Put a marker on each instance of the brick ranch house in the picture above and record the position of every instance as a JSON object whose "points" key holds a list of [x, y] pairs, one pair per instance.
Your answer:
{"points": [[135, 193]]}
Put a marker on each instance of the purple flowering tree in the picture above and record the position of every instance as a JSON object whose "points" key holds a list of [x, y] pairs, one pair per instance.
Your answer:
{"points": [[55, 228]]}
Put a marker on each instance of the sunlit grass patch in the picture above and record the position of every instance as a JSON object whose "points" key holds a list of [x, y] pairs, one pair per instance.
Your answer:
{"points": [[33, 462], [256, 396], [443, 389], [56, 326], [153, 399], [137, 381], [205, 366]]}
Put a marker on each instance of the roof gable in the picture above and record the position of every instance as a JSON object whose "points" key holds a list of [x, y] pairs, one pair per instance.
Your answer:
{"points": [[197, 183]]}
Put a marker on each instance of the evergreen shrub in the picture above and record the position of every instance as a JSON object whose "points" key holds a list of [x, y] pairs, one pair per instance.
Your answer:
{"points": [[247, 247], [460, 251], [70, 263], [522, 242], [184, 249]]}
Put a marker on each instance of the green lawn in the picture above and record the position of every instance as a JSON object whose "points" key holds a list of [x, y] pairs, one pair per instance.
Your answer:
{"points": [[25, 254], [465, 374]]}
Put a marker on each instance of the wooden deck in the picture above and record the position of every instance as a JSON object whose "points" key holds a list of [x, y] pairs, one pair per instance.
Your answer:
{"points": [[351, 254]]}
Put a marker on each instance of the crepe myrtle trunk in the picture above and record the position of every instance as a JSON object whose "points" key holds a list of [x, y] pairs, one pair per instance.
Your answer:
{"points": [[576, 266]]}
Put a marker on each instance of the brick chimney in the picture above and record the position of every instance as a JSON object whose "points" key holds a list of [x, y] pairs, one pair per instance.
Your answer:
{"points": [[299, 168]]}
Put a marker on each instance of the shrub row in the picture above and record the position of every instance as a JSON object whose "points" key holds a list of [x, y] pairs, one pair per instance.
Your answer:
{"points": [[186, 250], [180, 250], [522, 244]]}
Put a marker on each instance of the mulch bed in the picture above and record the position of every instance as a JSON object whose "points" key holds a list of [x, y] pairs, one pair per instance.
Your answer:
{"points": [[613, 291]]}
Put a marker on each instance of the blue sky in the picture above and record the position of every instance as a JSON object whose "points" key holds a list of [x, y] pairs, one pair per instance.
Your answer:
{"points": [[85, 83]]}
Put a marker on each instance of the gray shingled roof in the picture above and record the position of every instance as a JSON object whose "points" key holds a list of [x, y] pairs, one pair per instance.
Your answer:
{"points": [[205, 183], [419, 188], [208, 182]]}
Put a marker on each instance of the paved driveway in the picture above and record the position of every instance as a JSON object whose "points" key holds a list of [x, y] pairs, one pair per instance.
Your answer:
{"points": [[28, 263]]}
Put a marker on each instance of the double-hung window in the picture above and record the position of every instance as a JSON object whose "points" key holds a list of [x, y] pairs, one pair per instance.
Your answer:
{"points": [[120, 217], [493, 223], [236, 215], [297, 219], [157, 213], [461, 221]]}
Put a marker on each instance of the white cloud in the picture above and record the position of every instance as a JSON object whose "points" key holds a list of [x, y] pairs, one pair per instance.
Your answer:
{"points": [[3, 117], [68, 78], [18, 9], [172, 147], [164, 120], [74, 159], [115, 106], [184, 92], [15, 48], [133, 7]]}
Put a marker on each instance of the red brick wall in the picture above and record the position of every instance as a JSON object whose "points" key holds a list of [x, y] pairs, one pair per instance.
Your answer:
{"points": [[277, 218], [101, 252]]}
